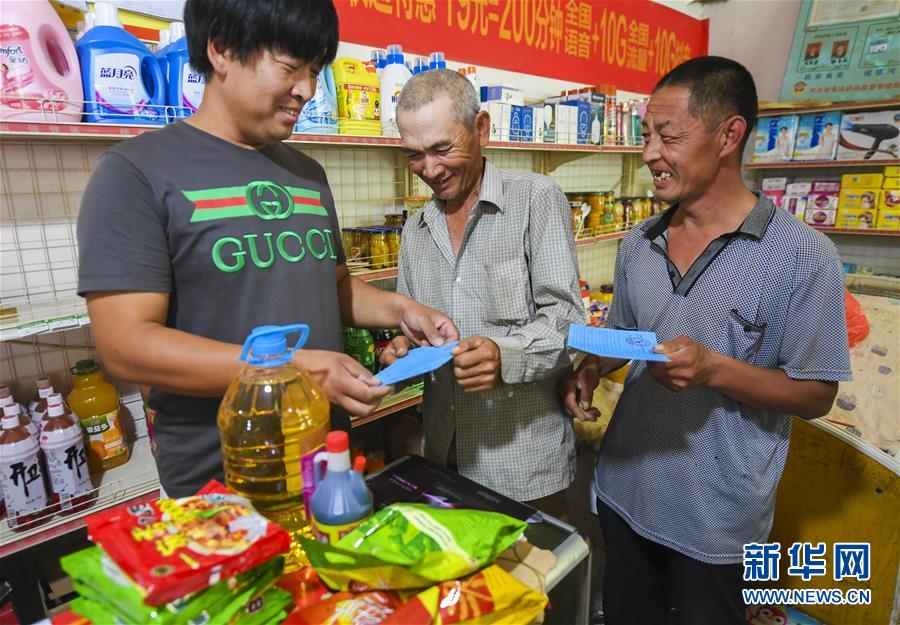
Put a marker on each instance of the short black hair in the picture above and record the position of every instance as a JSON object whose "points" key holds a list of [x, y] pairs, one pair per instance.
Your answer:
{"points": [[305, 29], [719, 88]]}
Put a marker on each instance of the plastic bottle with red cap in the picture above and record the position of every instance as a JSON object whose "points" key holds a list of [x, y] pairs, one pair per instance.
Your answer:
{"points": [[62, 442], [21, 474], [342, 500]]}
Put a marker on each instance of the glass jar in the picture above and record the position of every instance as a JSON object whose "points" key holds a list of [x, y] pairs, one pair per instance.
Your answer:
{"points": [[394, 220], [393, 243], [379, 253], [577, 221]]}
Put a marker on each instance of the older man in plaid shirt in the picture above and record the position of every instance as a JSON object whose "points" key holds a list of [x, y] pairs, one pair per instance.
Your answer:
{"points": [[494, 250]]}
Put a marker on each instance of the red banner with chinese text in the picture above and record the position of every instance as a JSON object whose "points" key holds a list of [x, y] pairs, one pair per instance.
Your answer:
{"points": [[626, 43]]}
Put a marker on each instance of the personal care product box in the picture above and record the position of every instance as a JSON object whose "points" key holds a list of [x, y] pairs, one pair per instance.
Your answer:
{"points": [[855, 198], [862, 181], [795, 205], [817, 136], [598, 111], [516, 127], [579, 117], [821, 206], [501, 93], [892, 171], [798, 188], [776, 196], [501, 114], [774, 184], [888, 220], [856, 218], [870, 136], [537, 117], [550, 119], [775, 139], [527, 133], [889, 199], [891, 183]]}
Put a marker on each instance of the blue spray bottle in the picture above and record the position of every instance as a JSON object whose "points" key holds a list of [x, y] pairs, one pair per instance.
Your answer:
{"points": [[186, 85], [341, 500], [122, 80]]}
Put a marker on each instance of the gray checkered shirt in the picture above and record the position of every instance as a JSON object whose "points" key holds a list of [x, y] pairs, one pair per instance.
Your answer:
{"points": [[515, 281]]}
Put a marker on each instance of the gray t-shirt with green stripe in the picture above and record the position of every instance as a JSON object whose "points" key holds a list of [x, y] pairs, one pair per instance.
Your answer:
{"points": [[238, 238]]}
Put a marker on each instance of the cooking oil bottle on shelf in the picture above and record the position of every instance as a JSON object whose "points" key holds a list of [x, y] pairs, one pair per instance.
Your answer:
{"points": [[273, 421]]}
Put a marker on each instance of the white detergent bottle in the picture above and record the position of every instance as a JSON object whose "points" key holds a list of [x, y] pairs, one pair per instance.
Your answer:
{"points": [[393, 78], [39, 74], [123, 82]]}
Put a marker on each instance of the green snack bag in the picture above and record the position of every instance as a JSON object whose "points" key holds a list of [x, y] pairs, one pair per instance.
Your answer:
{"points": [[238, 599], [95, 612], [269, 607], [413, 546]]}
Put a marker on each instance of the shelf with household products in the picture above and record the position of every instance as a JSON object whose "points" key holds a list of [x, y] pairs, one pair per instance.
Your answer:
{"points": [[137, 481], [80, 131]]}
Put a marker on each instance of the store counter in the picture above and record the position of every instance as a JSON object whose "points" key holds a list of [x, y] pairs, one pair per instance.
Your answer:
{"points": [[414, 479]]}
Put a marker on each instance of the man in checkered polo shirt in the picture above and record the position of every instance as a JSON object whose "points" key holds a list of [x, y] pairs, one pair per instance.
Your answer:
{"points": [[748, 304], [494, 250]]}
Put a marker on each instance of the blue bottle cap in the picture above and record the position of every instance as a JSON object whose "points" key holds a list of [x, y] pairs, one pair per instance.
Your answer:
{"points": [[267, 345]]}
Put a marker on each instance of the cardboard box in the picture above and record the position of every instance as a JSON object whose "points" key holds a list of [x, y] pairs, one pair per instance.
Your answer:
{"points": [[889, 200], [549, 117], [538, 125], [892, 171], [817, 136], [775, 196], [798, 188], [821, 205], [775, 139], [870, 136], [863, 199], [501, 93], [795, 205], [774, 184], [862, 181], [501, 116], [856, 218], [516, 127], [598, 112], [891, 183], [579, 116], [527, 133], [888, 220]]}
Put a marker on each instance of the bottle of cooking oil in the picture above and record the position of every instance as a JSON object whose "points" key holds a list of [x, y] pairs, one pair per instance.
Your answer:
{"points": [[273, 421]]}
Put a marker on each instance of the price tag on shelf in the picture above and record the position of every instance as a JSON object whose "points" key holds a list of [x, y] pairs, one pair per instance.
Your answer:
{"points": [[34, 327], [63, 323]]}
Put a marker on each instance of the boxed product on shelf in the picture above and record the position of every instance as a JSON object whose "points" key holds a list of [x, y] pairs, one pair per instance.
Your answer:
{"points": [[798, 188], [889, 199], [795, 205], [579, 115], [892, 171], [891, 183], [777, 197], [888, 219], [774, 184], [870, 136], [856, 218], [550, 118], [862, 181], [817, 135], [775, 139], [501, 119], [821, 205], [501, 93], [537, 118], [516, 123], [858, 198]]}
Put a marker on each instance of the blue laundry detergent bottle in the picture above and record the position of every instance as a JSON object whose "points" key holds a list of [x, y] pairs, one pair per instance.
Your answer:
{"points": [[319, 115], [341, 500], [160, 54], [122, 80], [186, 85]]}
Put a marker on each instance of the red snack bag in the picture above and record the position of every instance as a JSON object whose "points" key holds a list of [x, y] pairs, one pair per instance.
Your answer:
{"points": [[173, 547], [347, 608], [304, 585]]}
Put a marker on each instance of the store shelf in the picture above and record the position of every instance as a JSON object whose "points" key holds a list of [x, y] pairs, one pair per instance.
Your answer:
{"points": [[85, 131], [855, 105], [43, 318], [134, 480], [871, 233], [610, 236], [820, 164], [371, 275]]}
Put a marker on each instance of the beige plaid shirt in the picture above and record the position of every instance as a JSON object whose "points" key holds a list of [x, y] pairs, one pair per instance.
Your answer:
{"points": [[515, 281]]}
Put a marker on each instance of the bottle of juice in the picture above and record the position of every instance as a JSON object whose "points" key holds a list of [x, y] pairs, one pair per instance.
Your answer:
{"points": [[63, 445], [21, 475], [96, 404], [273, 421], [341, 500]]}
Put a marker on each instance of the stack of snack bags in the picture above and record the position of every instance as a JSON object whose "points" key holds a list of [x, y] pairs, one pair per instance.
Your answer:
{"points": [[411, 563], [206, 559]]}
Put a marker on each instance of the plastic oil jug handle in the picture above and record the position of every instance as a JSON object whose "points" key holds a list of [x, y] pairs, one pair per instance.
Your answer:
{"points": [[320, 459], [301, 328]]}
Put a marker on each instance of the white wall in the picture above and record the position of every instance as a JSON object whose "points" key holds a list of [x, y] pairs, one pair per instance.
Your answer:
{"points": [[757, 34]]}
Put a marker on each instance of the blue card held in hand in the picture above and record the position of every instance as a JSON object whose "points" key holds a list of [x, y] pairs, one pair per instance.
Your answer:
{"points": [[626, 344], [418, 361]]}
